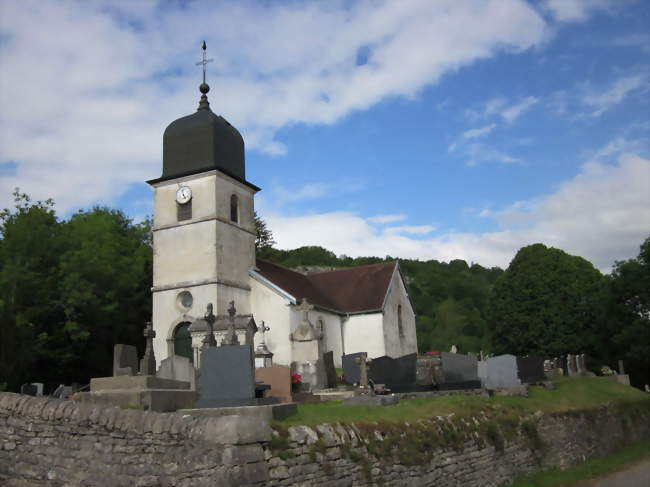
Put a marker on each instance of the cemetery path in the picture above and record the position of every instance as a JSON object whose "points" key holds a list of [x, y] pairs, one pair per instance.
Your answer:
{"points": [[636, 475]]}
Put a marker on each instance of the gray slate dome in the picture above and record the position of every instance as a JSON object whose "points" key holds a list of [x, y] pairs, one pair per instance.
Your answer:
{"points": [[201, 142]]}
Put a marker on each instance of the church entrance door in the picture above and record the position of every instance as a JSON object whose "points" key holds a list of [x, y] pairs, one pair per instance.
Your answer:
{"points": [[183, 341]]}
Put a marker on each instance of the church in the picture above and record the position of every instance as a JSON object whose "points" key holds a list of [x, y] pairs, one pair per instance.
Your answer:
{"points": [[204, 253]]}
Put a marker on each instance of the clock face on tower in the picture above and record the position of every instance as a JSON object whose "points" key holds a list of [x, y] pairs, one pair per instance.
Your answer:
{"points": [[183, 195]]}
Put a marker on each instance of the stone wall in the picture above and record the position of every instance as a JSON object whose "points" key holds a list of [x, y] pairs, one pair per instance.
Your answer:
{"points": [[51, 442], [482, 452]]}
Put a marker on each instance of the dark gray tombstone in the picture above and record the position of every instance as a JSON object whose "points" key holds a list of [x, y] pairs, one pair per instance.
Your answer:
{"points": [[330, 370], [501, 372], [125, 360], [351, 368], [530, 369], [227, 377], [460, 371], [398, 374], [28, 389]]}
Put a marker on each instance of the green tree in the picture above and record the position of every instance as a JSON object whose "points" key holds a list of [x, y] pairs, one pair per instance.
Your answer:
{"points": [[545, 303], [29, 250], [629, 315], [105, 276], [263, 235]]}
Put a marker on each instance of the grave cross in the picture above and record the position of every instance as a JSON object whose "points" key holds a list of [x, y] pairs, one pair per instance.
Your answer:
{"points": [[148, 364], [209, 340], [305, 307], [363, 370], [263, 329], [231, 335]]}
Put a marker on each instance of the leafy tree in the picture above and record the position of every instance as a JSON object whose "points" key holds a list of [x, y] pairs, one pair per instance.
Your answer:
{"points": [[629, 315], [545, 303], [105, 276], [29, 249], [264, 236]]}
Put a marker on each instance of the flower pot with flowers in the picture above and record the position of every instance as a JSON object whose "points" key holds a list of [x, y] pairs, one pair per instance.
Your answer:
{"points": [[296, 382]]}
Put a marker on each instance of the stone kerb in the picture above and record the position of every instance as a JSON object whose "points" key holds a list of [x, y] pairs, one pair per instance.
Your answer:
{"points": [[231, 430]]}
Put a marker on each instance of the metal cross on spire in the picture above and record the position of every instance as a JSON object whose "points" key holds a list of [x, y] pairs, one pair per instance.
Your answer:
{"points": [[204, 61]]}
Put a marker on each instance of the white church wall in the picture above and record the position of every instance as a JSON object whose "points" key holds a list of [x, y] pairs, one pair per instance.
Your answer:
{"points": [[168, 313], [269, 306], [185, 254], [203, 198], [364, 333], [398, 344]]}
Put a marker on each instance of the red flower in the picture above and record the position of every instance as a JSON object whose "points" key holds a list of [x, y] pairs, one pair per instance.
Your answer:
{"points": [[296, 378]]}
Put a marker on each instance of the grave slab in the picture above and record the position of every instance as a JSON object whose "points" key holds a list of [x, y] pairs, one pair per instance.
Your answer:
{"points": [[227, 377], [125, 360]]}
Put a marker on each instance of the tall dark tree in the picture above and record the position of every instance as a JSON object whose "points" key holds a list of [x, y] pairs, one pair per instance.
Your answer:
{"points": [[264, 236], [104, 285], [629, 316], [545, 303], [29, 250]]}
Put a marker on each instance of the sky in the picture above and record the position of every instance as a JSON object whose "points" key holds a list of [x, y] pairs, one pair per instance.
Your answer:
{"points": [[428, 129]]}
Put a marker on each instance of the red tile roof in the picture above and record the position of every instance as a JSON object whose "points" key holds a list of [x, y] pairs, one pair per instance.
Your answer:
{"points": [[348, 290]]}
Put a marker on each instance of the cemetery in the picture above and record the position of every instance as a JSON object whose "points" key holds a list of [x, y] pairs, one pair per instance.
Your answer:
{"points": [[296, 379]]}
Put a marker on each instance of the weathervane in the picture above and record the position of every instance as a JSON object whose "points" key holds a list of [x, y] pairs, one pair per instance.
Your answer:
{"points": [[204, 62]]}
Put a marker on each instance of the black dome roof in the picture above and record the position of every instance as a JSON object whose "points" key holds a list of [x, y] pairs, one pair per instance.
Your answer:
{"points": [[201, 142]]}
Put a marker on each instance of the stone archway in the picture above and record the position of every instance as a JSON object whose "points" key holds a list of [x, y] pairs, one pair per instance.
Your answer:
{"points": [[183, 341]]}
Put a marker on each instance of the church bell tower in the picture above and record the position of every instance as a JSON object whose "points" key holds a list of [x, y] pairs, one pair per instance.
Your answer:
{"points": [[204, 231]]}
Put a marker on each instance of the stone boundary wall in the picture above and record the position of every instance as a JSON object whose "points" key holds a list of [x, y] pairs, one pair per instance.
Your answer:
{"points": [[347, 455], [52, 442]]}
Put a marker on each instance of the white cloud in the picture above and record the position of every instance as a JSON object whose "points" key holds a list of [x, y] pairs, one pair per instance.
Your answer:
{"points": [[383, 219], [576, 10], [616, 93], [410, 229], [84, 119], [509, 112], [281, 195], [478, 132], [602, 214]]}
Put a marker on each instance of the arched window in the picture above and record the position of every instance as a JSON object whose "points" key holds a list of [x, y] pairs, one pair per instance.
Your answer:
{"points": [[234, 210], [400, 325], [183, 341]]}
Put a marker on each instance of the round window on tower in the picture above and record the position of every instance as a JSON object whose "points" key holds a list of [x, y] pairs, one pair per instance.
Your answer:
{"points": [[185, 299]]}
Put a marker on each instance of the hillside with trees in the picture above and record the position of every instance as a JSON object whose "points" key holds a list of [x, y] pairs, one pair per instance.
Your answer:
{"points": [[70, 289]]}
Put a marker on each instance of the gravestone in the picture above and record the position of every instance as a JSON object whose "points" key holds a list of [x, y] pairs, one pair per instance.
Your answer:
{"points": [[530, 369], [330, 370], [28, 389], [351, 368], [279, 378], [398, 374], [227, 377], [501, 372], [424, 369], [460, 371], [125, 360], [178, 368], [148, 362]]}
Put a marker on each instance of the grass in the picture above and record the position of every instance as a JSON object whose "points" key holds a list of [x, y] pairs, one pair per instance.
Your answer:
{"points": [[569, 394], [591, 469]]}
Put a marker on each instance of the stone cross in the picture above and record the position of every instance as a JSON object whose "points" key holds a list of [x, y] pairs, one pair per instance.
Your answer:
{"points": [[263, 329], [305, 307], [231, 335], [363, 369], [148, 363], [209, 340]]}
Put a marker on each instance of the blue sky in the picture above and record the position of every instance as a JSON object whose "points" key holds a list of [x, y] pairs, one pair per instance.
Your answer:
{"points": [[422, 129]]}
